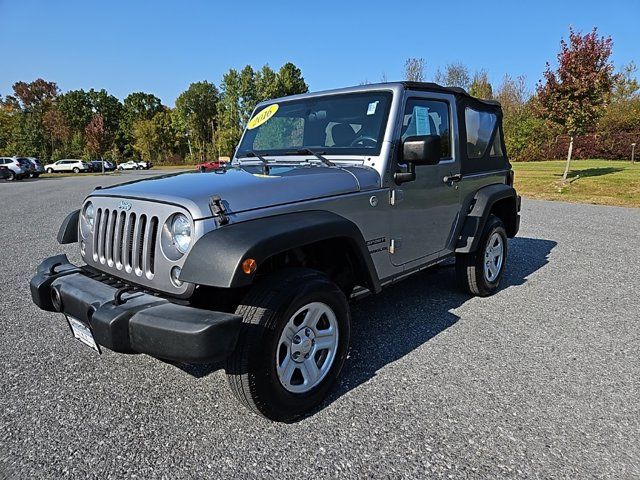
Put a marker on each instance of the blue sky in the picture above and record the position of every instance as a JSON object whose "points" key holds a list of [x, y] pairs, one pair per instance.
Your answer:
{"points": [[161, 47]]}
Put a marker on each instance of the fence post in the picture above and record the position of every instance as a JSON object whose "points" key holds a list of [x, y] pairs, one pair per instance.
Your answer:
{"points": [[633, 153]]}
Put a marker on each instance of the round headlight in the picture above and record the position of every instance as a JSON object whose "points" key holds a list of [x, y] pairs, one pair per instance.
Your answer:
{"points": [[181, 232], [89, 214]]}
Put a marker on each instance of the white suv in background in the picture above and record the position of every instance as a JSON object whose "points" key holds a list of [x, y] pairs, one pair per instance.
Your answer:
{"points": [[67, 165], [17, 170]]}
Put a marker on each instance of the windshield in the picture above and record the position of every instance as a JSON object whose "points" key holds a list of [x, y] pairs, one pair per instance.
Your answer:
{"points": [[346, 124]]}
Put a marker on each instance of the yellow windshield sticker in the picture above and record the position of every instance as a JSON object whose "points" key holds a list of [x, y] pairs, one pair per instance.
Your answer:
{"points": [[262, 116]]}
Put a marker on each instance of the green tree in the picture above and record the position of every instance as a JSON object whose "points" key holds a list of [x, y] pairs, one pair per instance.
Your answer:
{"points": [[266, 83], [290, 81], [574, 96], [7, 125], [625, 85], [229, 112], [197, 107], [108, 107], [145, 139], [155, 139], [136, 106], [240, 92], [480, 86], [31, 100], [75, 106]]}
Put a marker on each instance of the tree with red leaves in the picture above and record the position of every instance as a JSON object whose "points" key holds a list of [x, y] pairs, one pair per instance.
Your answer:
{"points": [[55, 127], [95, 136], [575, 95], [35, 94]]}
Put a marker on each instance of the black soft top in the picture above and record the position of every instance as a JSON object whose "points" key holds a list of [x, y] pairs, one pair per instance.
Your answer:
{"points": [[457, 91], [486, 161]]}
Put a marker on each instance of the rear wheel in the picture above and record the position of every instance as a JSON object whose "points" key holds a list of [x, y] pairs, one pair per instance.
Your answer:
{"points": [[76, 170], [49, 170], [480, 272], [12, 176], [293, 343], [35, 175]]}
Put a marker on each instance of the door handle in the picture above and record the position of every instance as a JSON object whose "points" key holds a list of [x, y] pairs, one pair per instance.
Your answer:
{"points": [[452, 178]]}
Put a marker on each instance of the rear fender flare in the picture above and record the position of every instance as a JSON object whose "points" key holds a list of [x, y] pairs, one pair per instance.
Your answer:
{"points": [[482, 203]]}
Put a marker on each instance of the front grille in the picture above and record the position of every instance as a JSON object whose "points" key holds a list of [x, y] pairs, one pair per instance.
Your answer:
{"points": [[129, 243], [125, 241]]}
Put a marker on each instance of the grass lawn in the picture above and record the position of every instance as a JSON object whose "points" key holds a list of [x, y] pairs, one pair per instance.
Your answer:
{"points": [[602, 182]]}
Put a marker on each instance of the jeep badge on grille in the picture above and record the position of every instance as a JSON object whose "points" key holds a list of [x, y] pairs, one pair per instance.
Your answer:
{"points": [[124, 205]]}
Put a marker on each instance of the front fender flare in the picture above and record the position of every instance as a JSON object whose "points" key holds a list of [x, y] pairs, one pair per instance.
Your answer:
{"points": [[216, 258], [68, 232]]}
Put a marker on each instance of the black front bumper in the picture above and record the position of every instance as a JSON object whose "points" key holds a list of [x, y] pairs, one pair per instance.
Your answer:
{"points": [[139, 322]]}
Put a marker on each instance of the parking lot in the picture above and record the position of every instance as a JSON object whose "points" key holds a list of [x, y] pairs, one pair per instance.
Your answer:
{"points": [[541, 380]]}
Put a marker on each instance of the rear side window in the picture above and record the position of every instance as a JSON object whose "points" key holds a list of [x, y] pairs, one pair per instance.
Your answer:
{"points": [[480, 126]]}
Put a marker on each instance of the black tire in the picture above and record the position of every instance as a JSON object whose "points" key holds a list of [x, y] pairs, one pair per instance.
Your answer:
{"points": [[12, 176], [470, 271], [266, 309], [76, 170], [35, 175], [49, 170]]}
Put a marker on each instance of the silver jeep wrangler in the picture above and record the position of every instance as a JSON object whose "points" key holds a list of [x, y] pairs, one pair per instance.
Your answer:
{"points": [[329, 196]]}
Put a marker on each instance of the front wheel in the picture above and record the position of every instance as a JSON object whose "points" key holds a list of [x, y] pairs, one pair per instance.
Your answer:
{"points": [[292, 345], [76, 170], [479, 273]]}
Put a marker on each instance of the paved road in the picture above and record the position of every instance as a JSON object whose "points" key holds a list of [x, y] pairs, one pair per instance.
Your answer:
{"points": [[542, 380]]}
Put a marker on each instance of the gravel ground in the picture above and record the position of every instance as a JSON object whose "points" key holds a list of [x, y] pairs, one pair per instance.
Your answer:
{"points": [[541, 380]]}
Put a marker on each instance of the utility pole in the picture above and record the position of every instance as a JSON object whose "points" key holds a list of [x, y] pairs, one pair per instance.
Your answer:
{"points": [[633, 153]]}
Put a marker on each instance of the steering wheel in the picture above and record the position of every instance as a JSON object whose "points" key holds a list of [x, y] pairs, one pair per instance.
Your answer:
{"points": [[363, 140]]}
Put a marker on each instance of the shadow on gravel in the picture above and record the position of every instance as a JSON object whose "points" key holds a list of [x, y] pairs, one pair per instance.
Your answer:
{"points": [[410, 313], [406, 315]]}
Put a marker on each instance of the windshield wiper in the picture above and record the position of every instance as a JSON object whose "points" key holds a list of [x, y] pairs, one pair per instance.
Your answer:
{"points": [[318, 155], [253, 153], [265, 162]]}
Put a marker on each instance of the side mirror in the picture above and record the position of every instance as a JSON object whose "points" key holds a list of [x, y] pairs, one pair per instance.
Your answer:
{"points": [[418, 150], [421, 150]]}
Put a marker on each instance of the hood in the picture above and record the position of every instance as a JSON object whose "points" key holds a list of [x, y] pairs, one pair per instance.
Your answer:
{"points": [[248, 187]]}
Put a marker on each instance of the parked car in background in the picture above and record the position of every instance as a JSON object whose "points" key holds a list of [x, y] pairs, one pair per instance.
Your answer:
{"points": [[38, 168], [145, 165], [130, 165], [67, 165], [209, 165], [27, 165], [4, 172], [17, 170], [97, 166]]}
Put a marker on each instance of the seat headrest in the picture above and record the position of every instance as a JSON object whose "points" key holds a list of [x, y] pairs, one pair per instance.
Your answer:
{"points": [[342, 134]]}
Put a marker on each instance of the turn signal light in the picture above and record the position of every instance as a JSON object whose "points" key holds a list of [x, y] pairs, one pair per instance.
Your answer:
{"points": [[249, 266]]}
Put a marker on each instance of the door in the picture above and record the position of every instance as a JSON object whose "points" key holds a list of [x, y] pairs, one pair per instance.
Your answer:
{"points": [[424, 211]]}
